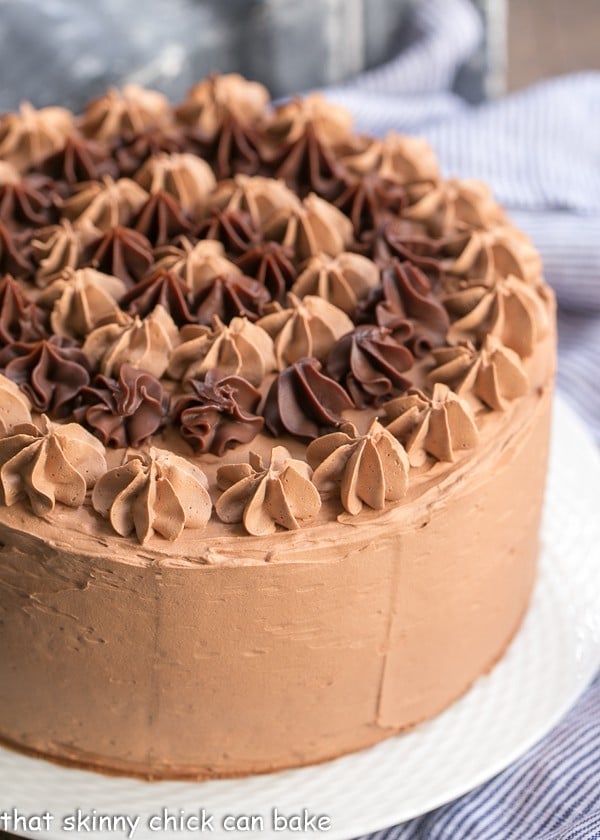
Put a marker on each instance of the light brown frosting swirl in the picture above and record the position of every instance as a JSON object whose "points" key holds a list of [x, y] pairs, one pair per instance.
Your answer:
{"points": [[262, 497], [198, 264], [153, 492], [331, 123], [343, 280], [312, 228], [494, 374], [186, 177], [239, 348], [55, 248], [262, 198], [440, 425], [403, 160], [143, 343], [81, 300], [57, 463], [130, 110], [32, 134], [511, 310], [15, 408], [483, 256], [455, 205], [369, 469], [218, 97], [307, 327], [102, 205]]}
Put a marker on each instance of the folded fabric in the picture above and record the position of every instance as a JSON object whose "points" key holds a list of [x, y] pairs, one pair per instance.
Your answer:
{"points": [[539, 149]]}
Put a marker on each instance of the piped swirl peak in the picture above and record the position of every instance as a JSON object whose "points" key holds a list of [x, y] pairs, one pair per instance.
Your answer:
{"points": [[369, 469], [31, 134], [186, 177], [220, 98], [144, 343], [153, 492], [307, 327], [54, 463], [494, 374], [305, 402], [128, 111], [265, 496], [440, 425], [512, 310], [239, 348], [312, 228], [344, 280], [98, 206]]}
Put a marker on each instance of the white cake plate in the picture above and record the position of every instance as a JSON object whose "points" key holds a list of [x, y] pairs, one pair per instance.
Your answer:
{"points": [[551, 661]]}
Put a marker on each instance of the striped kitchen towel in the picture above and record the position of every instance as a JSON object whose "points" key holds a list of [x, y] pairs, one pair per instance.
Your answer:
{"points": [[539, 149]]}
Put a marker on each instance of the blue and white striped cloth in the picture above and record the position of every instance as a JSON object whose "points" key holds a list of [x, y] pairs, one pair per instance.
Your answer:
{"points": [[539, 149]]}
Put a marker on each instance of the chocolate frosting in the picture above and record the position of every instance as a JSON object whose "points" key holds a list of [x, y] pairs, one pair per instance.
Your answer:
{"points": [[153, 492], [262, 497], [271, 264], [15, 408], [161, 288], [218, 413], [494, 374], [57, 463], [24, 200], [239, 348], [406, 295], [30, 135], [126, 111], [161, 219], [229, 295], [367, 199], [232, 228], [406, 240], [146, 344], [50, 372], [14, 252], [135, 149], [122, 252], [440, 425], [307, 327], [303, 401], [20, 318], [369, 469], [80, 159], [185, 177], [370, 364], [55, 249], [344, 280], [303, 135], [307, 164], [125, 411]]}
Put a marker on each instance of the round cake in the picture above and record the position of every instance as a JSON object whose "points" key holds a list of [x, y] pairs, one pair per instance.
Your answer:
{"points": [[274, 411]]}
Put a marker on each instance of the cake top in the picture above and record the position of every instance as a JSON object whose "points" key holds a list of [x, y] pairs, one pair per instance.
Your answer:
{"points": [[226, 310]]}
